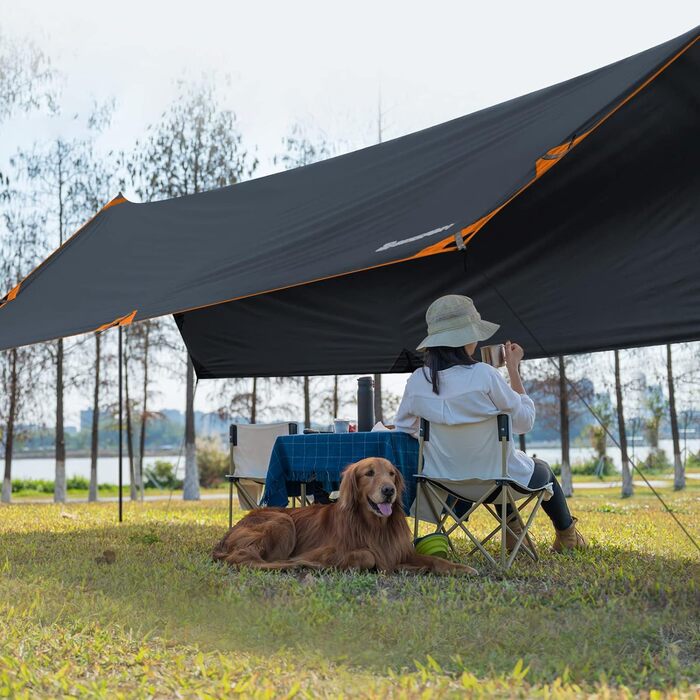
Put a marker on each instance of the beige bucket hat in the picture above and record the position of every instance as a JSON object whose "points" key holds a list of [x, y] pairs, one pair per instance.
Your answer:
{"points": [[453, 321]]}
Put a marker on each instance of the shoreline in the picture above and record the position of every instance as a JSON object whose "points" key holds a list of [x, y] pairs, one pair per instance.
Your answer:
{"points": [[85, 454]]}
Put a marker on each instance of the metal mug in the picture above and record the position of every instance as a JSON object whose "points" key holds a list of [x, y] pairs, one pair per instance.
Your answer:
{"points": [[341, 425], [494, 355]]}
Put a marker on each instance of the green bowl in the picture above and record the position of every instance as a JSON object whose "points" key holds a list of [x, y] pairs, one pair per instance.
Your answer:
{"points": [[434, 545]]}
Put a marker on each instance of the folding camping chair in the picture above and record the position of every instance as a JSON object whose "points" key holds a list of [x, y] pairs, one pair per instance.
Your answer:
{"points": [[250, 447], [468, 463]]}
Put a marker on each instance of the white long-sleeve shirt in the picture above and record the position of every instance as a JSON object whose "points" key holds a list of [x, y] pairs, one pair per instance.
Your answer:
{"points": [[468, 394]]}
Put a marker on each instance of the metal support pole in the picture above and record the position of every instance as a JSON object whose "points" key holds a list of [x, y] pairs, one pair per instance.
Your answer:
{"points": [[121, 504]]}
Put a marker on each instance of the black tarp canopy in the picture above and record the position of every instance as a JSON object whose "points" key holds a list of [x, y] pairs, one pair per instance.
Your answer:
{"points": [[571, 215]]}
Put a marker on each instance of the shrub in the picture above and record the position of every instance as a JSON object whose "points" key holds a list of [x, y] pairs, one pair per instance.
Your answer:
{"points": [[161, 476], [692, 461], [38, 485], [587, 467], [78, 483], [657, 462], [212, 463]]}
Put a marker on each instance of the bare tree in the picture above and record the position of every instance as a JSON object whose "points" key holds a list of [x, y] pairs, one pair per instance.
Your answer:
{"points": [[378, 400], [656, 405], [567, 483], [521, 437], [95, 187], [128, 408], [26, 80], [26, 77], [627, 485], [59, 170], [20, 247], [194, 147], [335, 400], [678, 466], [95, 428]]}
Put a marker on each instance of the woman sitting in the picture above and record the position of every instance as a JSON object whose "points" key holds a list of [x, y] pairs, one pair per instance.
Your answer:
{"points": [[454, 388]]}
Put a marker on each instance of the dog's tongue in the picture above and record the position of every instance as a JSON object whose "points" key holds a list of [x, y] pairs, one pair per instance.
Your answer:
{"points": [[384, 508]]}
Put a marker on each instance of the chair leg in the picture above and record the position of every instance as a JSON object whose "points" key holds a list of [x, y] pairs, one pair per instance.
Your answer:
{"points": [[242, 493], [530, 548], [419, 488], [504, 525], [525, 531], [461, 524]]}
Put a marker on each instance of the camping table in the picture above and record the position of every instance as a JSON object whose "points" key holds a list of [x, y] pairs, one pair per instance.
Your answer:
{"points": [[321, 457]]}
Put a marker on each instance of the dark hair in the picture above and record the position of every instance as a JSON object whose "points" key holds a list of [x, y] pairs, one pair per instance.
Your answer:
{"points": [[442, 357]]}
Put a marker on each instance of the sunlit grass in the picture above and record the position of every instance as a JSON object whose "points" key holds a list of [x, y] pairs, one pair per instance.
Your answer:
{"points": [[162, 620]]}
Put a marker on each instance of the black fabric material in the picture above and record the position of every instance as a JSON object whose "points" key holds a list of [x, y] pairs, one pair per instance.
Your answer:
{"points": [[556, 507], [599, 252]]}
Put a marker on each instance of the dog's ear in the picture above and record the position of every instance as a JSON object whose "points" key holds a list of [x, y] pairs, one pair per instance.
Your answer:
{"points": [[349, 488]]}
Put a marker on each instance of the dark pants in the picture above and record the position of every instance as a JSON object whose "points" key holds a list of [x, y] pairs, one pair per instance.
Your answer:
{"points": [[556, 507]]}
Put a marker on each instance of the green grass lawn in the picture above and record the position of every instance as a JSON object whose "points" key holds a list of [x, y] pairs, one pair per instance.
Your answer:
{"points": [[162, 620]]}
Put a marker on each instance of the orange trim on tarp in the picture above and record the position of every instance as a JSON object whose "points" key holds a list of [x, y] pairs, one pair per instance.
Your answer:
{"points": [[119, 199], [543, 164], [121, 321], [13, 292]]}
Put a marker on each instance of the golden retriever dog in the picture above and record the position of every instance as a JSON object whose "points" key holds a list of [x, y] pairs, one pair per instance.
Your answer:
{"points": [[366, 529]]}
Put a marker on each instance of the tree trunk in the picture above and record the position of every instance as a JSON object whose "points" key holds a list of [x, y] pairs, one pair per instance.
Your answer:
{"points": [[95, 435], [144, 411], [191, 485], [521, 438], [10, 429], [59, 492], [133, 486], [678, 466], [254, 401], [627, 486], [378, 412], [307, 404], [567, 485], [336, 398]]}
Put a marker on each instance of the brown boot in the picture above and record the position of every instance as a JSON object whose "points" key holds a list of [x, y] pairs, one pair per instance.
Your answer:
{"points": [[570, 538], [511, 540]]}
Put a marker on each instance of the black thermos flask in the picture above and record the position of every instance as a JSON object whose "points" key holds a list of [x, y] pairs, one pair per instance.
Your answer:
{"points": [[365, 404]]}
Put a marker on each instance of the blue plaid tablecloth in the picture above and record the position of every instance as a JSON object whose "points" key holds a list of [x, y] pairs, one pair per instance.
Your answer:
{"points": [[321, 457]]}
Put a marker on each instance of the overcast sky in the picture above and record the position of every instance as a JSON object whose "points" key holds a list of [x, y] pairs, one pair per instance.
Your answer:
{"points": [[323, 63]]}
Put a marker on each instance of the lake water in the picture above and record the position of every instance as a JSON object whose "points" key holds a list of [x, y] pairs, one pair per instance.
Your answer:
{"points": [[108, 467]]}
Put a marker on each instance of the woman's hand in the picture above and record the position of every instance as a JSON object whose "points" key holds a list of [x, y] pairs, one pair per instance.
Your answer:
{"points": [[514, 354]]}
